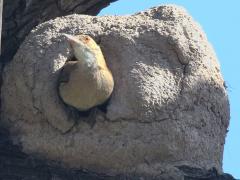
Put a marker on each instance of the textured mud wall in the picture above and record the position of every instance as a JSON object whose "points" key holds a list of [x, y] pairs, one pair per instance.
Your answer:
{"points": [[169, 107]]}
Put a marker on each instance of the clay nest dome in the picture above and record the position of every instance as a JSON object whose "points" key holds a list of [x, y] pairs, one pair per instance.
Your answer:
{"points": [[169, 106]]}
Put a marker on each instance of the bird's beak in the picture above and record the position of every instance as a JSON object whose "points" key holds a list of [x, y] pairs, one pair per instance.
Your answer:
{"points": [[72, 40]]}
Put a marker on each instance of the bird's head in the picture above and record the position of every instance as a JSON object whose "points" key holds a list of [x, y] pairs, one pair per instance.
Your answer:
{"points": [[84, 47]]}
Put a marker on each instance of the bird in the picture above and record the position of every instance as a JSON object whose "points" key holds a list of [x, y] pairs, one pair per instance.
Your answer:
{"points": [[86, 81]]}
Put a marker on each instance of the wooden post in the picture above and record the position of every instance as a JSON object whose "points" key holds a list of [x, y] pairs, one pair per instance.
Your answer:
{"points": [[1, 9]]}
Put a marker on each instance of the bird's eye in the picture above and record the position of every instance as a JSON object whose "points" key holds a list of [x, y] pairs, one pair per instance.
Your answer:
{"points": [[87, 39]]}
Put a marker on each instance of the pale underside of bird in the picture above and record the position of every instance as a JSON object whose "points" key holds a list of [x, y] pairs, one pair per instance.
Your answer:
{"points": [[85, 82]]}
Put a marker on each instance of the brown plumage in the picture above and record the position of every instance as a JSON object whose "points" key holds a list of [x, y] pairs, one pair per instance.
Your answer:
{"points": [[86, 82]]}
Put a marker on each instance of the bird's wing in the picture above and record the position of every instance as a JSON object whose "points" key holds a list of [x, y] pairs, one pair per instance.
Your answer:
{"points": [[66, 70]]}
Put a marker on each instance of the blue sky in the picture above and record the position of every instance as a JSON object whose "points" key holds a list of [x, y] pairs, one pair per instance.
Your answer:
{"points": [[221, 22]]}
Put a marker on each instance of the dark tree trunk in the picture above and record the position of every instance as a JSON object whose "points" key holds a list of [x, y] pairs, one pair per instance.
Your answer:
{"points": [[21, 16], [1, 7]]}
